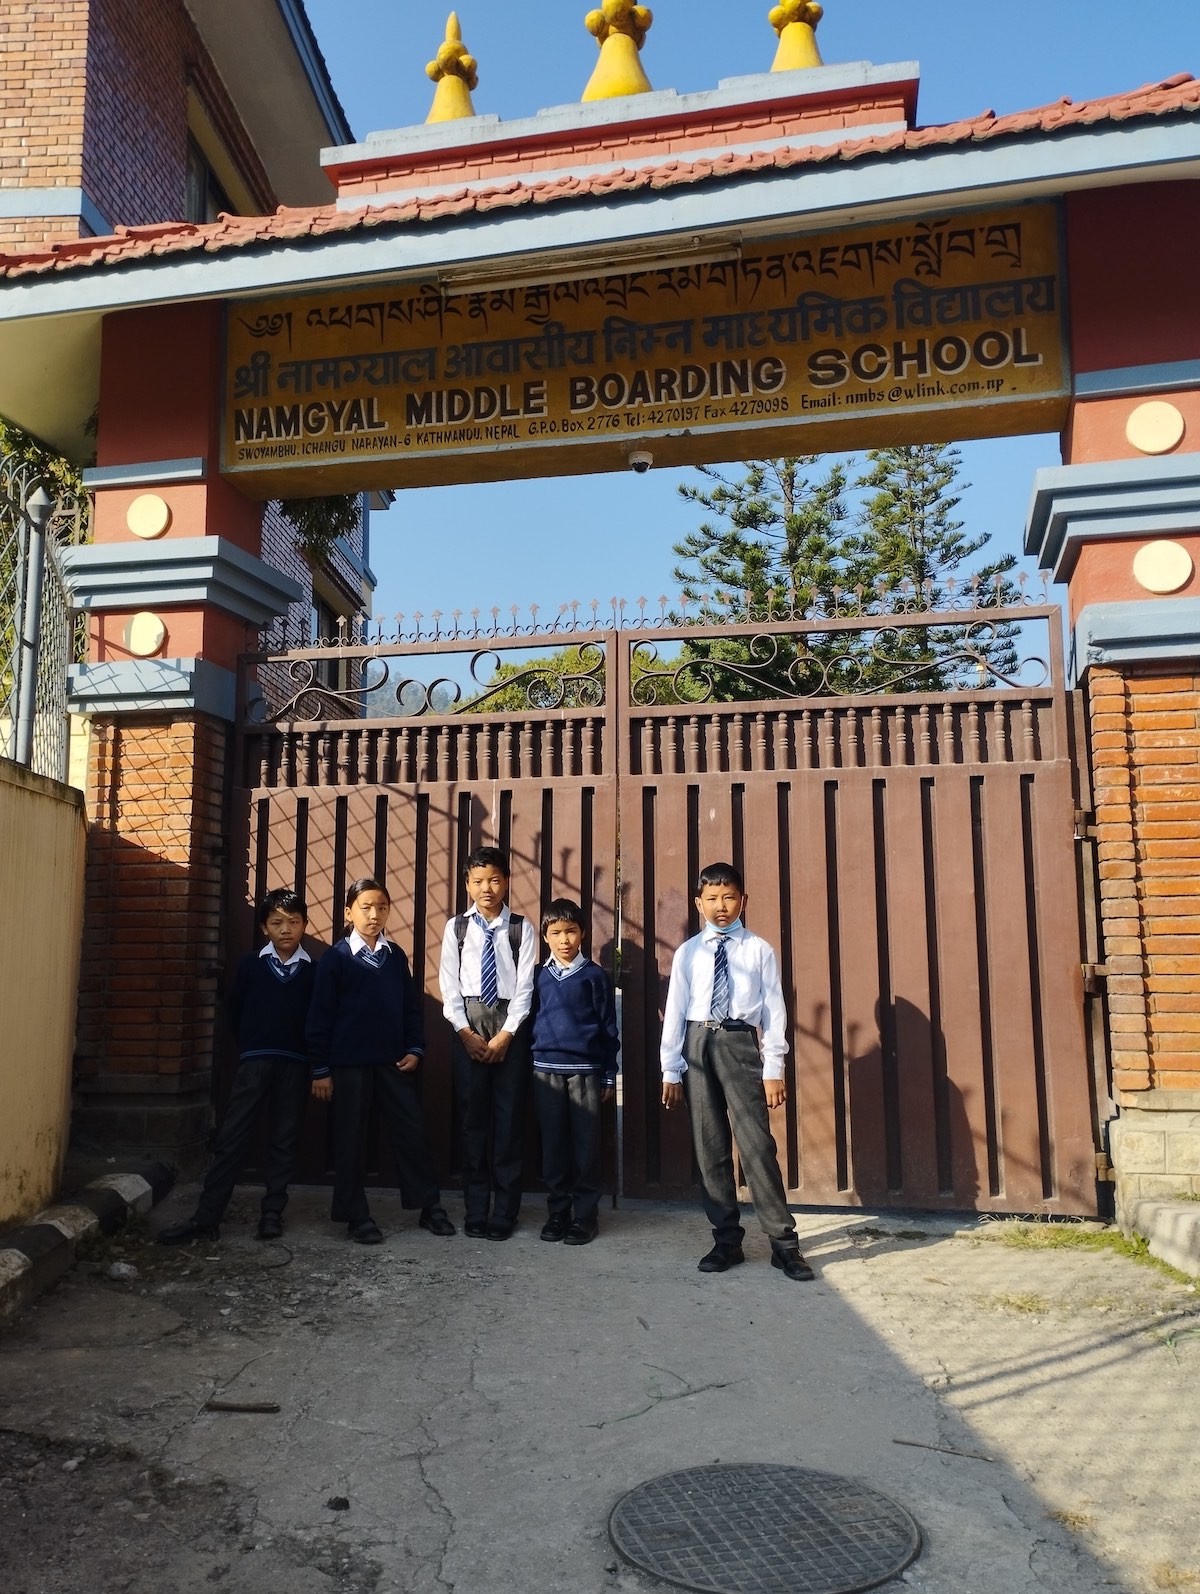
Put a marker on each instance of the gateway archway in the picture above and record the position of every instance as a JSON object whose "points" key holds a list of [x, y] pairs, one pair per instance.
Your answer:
{"points": [[787, 257]]}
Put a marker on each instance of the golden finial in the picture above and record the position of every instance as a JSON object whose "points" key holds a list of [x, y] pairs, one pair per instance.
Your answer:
{"points": [[456, 73], [620, 28], [795, 21]]}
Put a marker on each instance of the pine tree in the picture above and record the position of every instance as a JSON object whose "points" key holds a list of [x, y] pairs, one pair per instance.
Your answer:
{"points": [[776, 537], [909, 539], [780, 543], [777, 542]]}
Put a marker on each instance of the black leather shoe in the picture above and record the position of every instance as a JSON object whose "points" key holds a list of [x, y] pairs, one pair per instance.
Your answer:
{"points": [[499, 1231], [270, 1227], [436, 1221], [476, 1228], [581, 1233], [791, 1264], [185, 1233], [556, 1227], [721, 1258], [367, 1232]]}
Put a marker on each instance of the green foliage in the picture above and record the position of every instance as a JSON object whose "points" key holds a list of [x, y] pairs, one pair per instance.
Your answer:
{"points": [[60, 475], [319, 522], [574, 677], [774, 532], [908, 532], [781, 539]]}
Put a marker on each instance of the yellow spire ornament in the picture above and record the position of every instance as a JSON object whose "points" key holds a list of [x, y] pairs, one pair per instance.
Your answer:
{"points": [[620, 28], [455, 73], [795, 21]]}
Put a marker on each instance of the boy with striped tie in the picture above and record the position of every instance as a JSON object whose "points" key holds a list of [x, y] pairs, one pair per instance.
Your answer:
{"points": [[486, 975], [267, 1008], [723, 1045]]}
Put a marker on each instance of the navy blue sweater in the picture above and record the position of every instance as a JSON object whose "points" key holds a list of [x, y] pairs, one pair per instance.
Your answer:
{"points": [[362, 1016], [268, 1015], [575, 1023]]}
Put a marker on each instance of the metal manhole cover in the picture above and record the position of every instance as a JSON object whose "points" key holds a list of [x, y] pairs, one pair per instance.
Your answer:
{"points": [[760, 1529]]}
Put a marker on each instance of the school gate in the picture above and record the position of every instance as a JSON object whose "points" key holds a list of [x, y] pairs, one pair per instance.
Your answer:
{"points": [[911, 854], [787, 263]]}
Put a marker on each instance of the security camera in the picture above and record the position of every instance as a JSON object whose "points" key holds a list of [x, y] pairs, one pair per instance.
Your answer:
{"points": [[641, 460]]}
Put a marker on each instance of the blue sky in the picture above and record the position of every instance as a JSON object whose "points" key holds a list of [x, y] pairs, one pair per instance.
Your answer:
{"points": [[599, 536]]}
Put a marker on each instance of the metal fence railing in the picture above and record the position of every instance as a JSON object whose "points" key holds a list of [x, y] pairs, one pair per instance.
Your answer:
{"points": [[39, 627]]}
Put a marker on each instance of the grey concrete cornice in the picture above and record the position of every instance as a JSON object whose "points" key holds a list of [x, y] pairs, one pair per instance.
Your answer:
{"points": [[187, 571], [152, 686], [150, 473], [1074, 504], [1136, 631]]}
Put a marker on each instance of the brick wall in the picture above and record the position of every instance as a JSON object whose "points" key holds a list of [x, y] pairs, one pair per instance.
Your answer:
{"points": [[152, 914], [43, 65], [142, 56], [93, 94], [1145, 743]]}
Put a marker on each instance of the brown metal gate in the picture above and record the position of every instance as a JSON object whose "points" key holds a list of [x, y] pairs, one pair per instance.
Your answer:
{"points": [[910, 855]]}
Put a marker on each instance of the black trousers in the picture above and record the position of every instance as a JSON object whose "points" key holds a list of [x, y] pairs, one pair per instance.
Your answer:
{"points": [[568, 1115], [491, 1106], [282, 1086], [724, 1081], [398, 1098]]}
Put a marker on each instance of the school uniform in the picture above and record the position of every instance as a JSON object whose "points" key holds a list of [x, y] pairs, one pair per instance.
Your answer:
{"points": [[267, 1008], [574, 1042], [365, 1016], [491, 1096], [722, 1062]]}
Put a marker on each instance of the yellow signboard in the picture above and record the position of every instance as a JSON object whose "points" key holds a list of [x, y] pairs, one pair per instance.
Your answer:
{"points": [[923, 330]]}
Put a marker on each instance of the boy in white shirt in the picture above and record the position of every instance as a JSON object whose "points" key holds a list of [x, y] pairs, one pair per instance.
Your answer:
{"points": [[489, 958], [723, 1045]]}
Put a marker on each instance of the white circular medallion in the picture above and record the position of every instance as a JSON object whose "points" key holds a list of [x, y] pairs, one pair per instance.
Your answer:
{"points": [[145, 634], [1154, 428], [1162, 567], [148, 515]]}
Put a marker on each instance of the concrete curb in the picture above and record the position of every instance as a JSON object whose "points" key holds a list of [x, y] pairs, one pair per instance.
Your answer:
{"points": [[1170, 1228], [36, 1254]]}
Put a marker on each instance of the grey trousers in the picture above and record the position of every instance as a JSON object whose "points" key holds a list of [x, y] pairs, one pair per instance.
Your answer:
{"points": [[724, 1081], [568, 1114]]}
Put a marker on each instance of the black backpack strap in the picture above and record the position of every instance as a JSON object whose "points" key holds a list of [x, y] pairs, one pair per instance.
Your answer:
{"points": [[516, 928]]}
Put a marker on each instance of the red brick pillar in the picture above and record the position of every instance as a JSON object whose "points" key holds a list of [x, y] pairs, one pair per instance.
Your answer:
{"points": [[1145, 747], [175, 589], [1120, 525]]}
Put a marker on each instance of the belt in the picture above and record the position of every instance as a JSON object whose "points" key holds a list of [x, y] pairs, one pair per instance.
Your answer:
{"points": [[726, 1023]]}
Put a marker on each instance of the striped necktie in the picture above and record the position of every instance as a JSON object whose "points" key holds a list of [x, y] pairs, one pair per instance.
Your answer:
{"points": [[489, 985], [375, 959], [281, 970], [720, 991]]}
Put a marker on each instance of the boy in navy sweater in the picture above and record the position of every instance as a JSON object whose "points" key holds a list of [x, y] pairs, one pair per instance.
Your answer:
{"points": [[267, 1007], [366, 1038], [575, 1044]]}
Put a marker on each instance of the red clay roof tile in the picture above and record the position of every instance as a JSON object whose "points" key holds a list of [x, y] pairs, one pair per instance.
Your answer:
{"points": [[1173, 96]]}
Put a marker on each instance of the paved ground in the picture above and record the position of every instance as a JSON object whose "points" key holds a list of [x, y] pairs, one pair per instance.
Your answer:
{"points": [[459, 1417]]}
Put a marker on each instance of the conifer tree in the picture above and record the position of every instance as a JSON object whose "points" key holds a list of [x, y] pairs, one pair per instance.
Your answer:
{"points": [[778, 538], [908, 533]]}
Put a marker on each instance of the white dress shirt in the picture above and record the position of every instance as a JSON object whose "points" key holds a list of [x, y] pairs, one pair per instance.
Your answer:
{"points": [[298, 956], [755, 996], [563, 971], [357, 944], [458, 980]]}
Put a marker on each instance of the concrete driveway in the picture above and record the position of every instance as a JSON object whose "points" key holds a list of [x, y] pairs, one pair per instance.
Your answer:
{"points": [[460, 1416]]}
